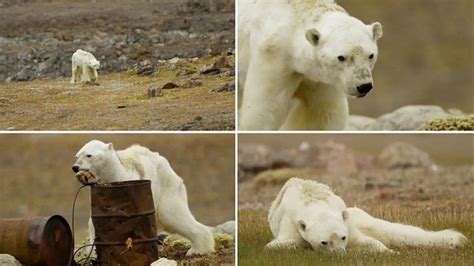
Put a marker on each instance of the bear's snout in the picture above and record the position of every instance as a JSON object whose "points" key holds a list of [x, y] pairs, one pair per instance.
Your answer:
{"points": [[365, 88], [75, 168]]}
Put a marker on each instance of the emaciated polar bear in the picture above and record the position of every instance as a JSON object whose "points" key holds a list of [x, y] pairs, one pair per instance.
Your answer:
{"points": [[308, 213], [299, 60], [84, 67], [99, 162]]}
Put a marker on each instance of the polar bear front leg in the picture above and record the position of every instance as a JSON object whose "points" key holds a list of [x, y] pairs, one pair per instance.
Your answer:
{"points": [[267, 94], [288, 236], [317, 106]]}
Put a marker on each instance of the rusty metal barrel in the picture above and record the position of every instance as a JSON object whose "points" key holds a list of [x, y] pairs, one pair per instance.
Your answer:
{"points": [[37, 241], [123, 214]]}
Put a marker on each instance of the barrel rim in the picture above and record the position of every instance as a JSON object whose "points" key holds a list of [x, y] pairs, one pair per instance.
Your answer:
{"points": [[68, 232]]}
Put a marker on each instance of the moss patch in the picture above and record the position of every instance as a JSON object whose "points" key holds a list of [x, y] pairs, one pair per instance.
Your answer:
{"points": [[452, 123]]}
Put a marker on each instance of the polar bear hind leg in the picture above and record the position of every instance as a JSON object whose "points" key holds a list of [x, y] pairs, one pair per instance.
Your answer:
{"points": [[394, 234], [179, 219]]}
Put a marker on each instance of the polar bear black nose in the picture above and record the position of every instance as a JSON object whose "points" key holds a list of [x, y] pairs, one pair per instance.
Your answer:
{"points": [[75, 168], [364, 88]]}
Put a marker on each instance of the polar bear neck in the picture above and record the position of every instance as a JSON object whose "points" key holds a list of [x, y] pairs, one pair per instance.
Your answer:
{"points": [[313, 10], [114, 171]]}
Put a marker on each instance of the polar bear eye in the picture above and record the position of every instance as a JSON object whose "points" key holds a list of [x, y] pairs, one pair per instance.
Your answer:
{"points": [[324, 243], [343, 238], [371, 56], [88, 155], [341, 58]]}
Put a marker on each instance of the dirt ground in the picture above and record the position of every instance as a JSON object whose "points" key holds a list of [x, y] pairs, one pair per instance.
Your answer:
{"points": [[126, 36], [425, 180], [37, 180], [121, 102]]}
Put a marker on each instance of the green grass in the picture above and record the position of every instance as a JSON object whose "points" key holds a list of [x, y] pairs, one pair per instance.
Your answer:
{"points": [[254, 233]]}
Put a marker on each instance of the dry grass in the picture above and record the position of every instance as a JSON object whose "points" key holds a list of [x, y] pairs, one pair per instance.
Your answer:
{"points": [[254, 233], [119, 103]]}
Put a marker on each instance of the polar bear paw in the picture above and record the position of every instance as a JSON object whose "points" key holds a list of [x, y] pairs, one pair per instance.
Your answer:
{"points": [[194, 252], [86, 178], [278, 244]]}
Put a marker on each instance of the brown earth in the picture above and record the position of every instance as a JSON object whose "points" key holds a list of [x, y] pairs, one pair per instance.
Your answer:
{"points": [[120, 102]]}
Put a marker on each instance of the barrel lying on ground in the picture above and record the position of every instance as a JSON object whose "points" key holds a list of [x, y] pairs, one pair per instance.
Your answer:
{"points": [[37, 241]]}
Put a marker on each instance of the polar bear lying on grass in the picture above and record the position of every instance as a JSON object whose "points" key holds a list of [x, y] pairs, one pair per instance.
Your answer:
{"points": [[308, 214], [99, 162], [84, 67]]}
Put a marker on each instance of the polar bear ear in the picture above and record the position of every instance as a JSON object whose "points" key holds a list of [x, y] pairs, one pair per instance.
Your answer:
{"points": [[345, 215], [377, 31], [313, 35], [110, 146], [302, 225]]}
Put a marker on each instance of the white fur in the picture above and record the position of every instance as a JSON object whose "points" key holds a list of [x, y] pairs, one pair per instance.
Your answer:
{"points": [[298, 217], [84, 67], [327, 219], [169, 192], [290, 80]]}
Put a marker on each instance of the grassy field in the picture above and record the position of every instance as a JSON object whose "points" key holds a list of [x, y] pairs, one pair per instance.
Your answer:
{"points": [[254, 233], [120, 103]]}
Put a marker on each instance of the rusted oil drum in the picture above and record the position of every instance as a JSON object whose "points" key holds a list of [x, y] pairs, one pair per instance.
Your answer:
{"points": [[123, 215], [37, 241]]}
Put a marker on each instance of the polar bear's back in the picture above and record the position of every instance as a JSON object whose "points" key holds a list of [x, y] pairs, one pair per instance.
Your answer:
{"points": [[81, 55], [296, 193], [132, 158]]}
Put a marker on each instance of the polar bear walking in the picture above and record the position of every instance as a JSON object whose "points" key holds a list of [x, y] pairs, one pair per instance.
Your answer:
{"points": [[308, 213], [84, 67], [98, 161], [299, 61]]}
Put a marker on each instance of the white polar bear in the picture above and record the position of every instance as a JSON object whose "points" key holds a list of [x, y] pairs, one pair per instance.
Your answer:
{"points": [[84, 67], [99, 162], [306, 213], [299, 60]]}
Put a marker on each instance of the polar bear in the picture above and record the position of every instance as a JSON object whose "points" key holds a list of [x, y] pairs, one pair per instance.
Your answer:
{"points": [[308, 213], [84, 67], [299, 61], [99, 162], [300, 213]]}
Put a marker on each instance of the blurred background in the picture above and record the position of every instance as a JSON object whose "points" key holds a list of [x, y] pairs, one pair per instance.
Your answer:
{"points": [[425, 56], [36, 177]]}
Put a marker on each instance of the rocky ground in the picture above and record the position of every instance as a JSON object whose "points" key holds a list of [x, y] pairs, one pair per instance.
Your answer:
{"points": [[180, 53], [119, 34], [400, 172]]}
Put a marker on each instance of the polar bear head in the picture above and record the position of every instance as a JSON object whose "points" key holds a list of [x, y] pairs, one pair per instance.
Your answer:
{"points": [[343, 52], [324, 229], [93, 63], [94, 158]]}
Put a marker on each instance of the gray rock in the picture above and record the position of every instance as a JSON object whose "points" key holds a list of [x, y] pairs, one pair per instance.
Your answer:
{"points": [[359, 122], [409, 117], [225, 228], [404, 155], [8, 260]]}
